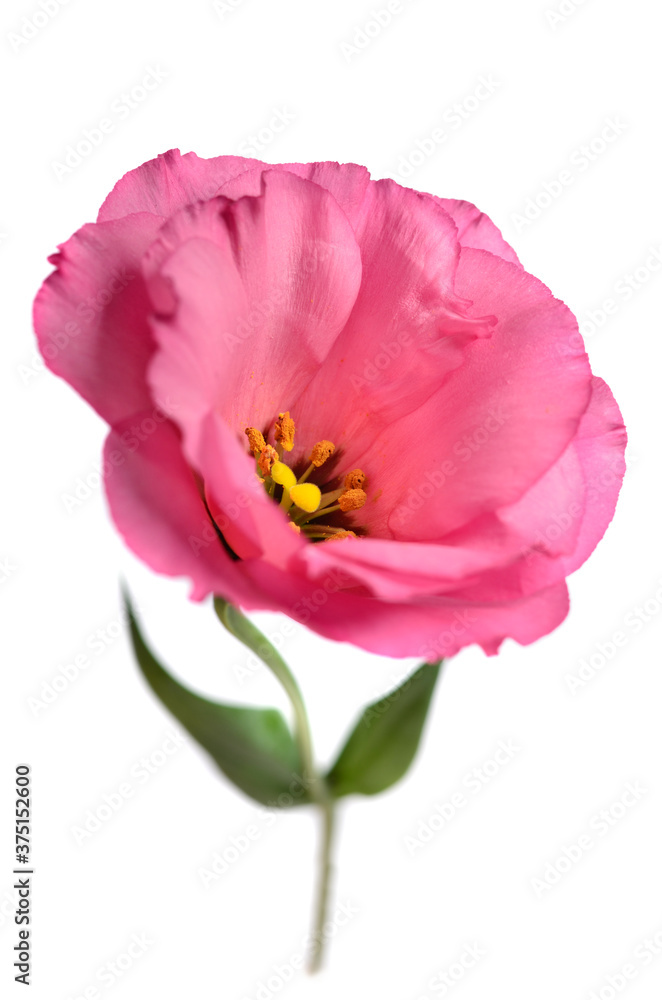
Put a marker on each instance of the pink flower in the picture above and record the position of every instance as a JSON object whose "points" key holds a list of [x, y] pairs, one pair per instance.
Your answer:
{"points": [[213, 295]]}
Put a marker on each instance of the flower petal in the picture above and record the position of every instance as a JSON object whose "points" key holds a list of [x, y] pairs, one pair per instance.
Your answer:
{"points": [[253, 525], [554, 527], [600, 446], [408, 328], [497, 424], [91, 315], [430, 628], [475, 229], [169, 182], [398, 571], [251, 295], [158, 510], [347, 182]]}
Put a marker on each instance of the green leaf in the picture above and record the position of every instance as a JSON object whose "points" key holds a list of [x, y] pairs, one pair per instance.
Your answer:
{"points": [[384, 741], [252, 746]]}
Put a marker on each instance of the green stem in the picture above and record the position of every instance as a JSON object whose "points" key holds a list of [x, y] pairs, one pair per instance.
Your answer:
{"points": [[241, 628], [244, 630], [323, 885]]}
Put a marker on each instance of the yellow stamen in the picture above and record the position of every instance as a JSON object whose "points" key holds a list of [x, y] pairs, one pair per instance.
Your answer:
{"points": [[318, 456], [256, 440], [306, 496], [309, 501], [322, 451], [283, 475], [266, 459], [284, 430], [352, 500], [355, 480]]}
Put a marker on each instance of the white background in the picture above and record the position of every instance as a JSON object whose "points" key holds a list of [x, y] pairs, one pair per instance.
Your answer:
{"points": [[556, 82]]}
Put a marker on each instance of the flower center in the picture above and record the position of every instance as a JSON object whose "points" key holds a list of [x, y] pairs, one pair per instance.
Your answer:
{"points": [[305, 502]]}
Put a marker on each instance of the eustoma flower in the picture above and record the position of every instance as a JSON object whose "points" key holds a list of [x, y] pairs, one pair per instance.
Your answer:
{"points": [[343, 400], [293, 356]]}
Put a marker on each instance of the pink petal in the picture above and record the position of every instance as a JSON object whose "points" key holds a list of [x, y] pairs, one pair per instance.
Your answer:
{"points": [[429, 628], [556, 525], [600, 446], [253, 525], [91, 315], [157, 508], [549, 514], [476, 230], [565, 514], [398, 571], [408, 328], [347, 182], [251, 295], [498, 422], [169, 182]]}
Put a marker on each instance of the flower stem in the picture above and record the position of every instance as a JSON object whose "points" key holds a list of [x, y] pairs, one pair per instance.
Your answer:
{"points": [[244, 630], [323, 885], [239, 626]]}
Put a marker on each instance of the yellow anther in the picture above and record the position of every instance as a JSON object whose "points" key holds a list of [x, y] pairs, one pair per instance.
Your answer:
{"points": [[266, 460], [340, 534], [283, 475], [322, 451], [296, 528], [355, 480], [284, 430], [306, 496], [352, 500], [256, 440]]}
